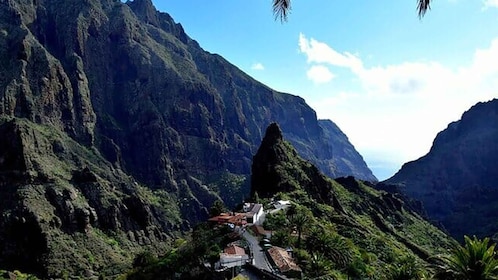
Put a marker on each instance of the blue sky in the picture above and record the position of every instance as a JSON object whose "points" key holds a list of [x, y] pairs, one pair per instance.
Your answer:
{"points": [[389, 80]]}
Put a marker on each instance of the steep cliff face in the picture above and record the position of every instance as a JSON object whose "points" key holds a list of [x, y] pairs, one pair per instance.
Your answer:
{"points": [[343, 155], [141, 104], [66, 210], [457, 179]]}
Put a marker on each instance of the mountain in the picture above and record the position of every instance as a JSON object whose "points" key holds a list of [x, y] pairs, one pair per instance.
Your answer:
{"points": [[457, 180], [344, 157], [372, 222], [119, 132]]}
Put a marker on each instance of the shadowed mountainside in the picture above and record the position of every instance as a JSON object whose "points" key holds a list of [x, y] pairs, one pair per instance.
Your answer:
{"points": [[457, 180]]}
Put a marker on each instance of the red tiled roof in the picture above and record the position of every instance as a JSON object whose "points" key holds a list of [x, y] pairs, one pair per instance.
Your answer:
{"points": [[282, 259], [234, 250], [224, 218]]}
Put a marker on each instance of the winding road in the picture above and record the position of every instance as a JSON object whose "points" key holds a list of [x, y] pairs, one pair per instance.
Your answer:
{"points": [[259, 257]]}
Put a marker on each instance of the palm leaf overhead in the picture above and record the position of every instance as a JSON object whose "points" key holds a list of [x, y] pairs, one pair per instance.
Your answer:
{"points": [[281, 8], [423, 6]]}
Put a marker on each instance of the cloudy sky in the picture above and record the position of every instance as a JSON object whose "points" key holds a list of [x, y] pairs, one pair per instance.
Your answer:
{"points": [[390, 80]]}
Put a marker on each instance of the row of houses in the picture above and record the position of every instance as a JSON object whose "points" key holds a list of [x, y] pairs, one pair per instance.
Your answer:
{"points": [[280, 258], [235, 256], [253, 213]]}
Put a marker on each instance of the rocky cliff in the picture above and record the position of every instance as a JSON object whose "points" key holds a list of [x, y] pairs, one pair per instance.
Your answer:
{"points": [[457, 180], [119, 127], [343, 155]]}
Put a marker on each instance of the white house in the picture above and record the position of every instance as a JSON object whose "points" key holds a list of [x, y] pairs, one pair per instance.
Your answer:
{"points": [[233, 256], [254, 213]]}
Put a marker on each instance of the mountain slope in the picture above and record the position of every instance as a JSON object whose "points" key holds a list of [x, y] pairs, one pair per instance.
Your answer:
{"points": [[345, 158], [375, 222], [457, 180], [120, 130]]}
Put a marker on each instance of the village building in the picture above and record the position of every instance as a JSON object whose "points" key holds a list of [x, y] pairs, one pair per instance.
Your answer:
{"points": [[233, 256], [284, 262], [254, 213], [232, 219], [281, 204]]}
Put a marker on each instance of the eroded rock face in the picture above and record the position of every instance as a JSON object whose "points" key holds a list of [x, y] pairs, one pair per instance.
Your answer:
{"points": [[116, 122], [55, 212], [457, 179]]}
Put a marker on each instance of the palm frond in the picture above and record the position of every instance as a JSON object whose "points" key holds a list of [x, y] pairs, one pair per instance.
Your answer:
{"points": [[423, 6], [281, 9]]}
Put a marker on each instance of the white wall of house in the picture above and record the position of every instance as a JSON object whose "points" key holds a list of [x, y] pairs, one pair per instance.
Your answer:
{"points": [[258, 216], [229, 261]]}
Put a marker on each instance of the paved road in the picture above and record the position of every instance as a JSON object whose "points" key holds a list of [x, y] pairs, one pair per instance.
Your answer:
{"points": [[259, 255]]}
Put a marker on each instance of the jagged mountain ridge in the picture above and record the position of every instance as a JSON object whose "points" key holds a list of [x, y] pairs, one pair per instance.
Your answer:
{"points": [[115, 96], [457, 179], [376, 221]]}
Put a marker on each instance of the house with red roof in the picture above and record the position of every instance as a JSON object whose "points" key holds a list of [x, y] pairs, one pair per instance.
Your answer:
{"points": [[233, 256], [284, 262]]}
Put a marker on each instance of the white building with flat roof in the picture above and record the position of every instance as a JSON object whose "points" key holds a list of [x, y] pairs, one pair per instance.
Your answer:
{"points": [[254, 213]]}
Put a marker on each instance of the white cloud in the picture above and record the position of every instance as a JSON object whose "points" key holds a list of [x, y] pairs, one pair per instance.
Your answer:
{"points": [[490, 3], [320, 74], [258, 66], [395, 111], [319, 52]]}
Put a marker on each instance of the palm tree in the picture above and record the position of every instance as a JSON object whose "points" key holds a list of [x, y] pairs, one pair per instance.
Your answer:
{"points": [[331, 245], [405, 269], [281, 8], [318, 266], [476, 260], [299, 220]]}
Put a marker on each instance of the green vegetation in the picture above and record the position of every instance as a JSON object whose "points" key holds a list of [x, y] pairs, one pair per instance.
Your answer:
{"points": [[217, 208], [341, 228], [476, 260], [187, 259], [232, 188], [7, 275]]}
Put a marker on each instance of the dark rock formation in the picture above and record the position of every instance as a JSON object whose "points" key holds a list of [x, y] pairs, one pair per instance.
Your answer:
{"points": [[457, 180], [277, 168]]}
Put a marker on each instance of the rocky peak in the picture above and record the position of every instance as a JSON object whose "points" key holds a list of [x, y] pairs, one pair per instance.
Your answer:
{"points": [[145, 11], [273, 134], [277, 168]]}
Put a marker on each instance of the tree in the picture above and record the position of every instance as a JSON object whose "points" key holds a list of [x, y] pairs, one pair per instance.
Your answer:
{"points": [[318, 266], [217, 208], [299, 220], [281, 8], [333, 246], [144, 259], [405, 269], [476, 260]]}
